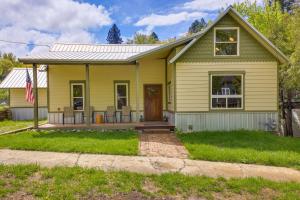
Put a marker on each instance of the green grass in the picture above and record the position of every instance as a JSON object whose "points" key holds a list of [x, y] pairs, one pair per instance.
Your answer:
{"points": [[10, 125], [79, 183], [243, 147], [121, 143]]}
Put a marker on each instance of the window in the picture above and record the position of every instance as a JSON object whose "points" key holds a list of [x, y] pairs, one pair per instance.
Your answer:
{"points": [[77, 95], [121, 95], [227, 91], [226, 41], [169, 92]]}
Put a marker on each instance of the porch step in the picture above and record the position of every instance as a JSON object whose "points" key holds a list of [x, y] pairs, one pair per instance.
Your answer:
{"points": [[146, 126]]}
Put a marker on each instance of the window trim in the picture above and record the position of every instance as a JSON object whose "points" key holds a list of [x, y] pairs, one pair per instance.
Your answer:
{"points": [[238, 40], [71, 94], [242, 95], [116, 83]]}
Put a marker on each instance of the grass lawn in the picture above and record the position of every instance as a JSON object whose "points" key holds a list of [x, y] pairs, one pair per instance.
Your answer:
{"points": [[32, 181], [121, 143], [243, 147], [10, 125]]}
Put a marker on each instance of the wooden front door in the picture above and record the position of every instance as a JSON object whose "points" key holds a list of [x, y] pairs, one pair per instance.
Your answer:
{"points": [[153, 110]]}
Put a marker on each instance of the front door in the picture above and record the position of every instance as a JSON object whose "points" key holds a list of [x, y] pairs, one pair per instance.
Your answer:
{"points": [[153, 109]]}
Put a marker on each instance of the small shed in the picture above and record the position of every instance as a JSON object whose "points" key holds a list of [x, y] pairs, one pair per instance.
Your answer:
{"points": [[15, 82]]}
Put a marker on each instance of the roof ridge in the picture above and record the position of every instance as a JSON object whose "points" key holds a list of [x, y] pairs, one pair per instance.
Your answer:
{"points": [[97, 44]]}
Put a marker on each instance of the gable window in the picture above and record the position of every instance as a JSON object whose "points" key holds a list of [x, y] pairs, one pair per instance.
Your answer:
{"points": [[226, 41], [226, 91], [77, 96], [121, 94]]}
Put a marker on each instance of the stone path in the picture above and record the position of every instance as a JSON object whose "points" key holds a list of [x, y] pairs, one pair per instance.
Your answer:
{"points": [[149, 165], [161, 143]]}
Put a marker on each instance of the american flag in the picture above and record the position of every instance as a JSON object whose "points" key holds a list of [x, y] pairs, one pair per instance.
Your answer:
{"points": [[29, 92]]}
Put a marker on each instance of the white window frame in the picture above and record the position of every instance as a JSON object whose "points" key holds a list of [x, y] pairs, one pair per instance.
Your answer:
{"points": [[227, 96], [237, 42], [72, 96], [116, 94]]}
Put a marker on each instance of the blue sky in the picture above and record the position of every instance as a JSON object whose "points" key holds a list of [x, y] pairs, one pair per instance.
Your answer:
{"points": [[88, 21], [125, 13]]}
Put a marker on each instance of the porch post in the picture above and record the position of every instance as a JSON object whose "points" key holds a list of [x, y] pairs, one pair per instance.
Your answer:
{"points": [[87, 94], [36, 98], [137, 87]]}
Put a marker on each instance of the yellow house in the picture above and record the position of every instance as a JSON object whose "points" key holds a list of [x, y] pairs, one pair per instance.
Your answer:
{"points": [[15, 83], [222, 78]]}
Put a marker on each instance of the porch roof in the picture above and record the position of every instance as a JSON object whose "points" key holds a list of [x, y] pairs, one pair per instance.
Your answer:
{"points": [[17, 78], [88, 53]]}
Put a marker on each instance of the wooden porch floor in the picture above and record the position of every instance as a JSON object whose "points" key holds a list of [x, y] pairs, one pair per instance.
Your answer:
{"points": [[111, 126]]}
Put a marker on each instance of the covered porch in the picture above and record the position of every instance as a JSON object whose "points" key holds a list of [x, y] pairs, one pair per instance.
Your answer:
{"points": [[90, 87]]}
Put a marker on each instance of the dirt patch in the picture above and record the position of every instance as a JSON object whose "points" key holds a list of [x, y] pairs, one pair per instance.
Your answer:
{"points": [[37, 176], [232, 196], [20, 195], [125, 196], [267, 193], [150, 187]]}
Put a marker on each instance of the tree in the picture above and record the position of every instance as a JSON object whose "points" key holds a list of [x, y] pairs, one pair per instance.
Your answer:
{"points": [[286, 5], [140, 38], [114, 35], [7, 62], [197, 26], [154, 37], [281, 28]]}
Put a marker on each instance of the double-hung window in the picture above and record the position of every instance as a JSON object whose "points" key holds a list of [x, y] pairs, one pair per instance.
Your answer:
{"points": [[77, 96], [121, 94], [226, 91], [226, 41]]}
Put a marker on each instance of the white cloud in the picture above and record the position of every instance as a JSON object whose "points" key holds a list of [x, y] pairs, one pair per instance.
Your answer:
{"points": [[209, 5], [154, 20], [48, 21], [127, 20]]}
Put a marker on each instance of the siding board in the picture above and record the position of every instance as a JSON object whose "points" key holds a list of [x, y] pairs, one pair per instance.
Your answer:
{"points": [[260, 91]]}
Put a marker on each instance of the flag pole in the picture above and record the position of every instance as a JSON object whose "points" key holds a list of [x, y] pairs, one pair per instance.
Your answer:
{"points": [[35, 93]]}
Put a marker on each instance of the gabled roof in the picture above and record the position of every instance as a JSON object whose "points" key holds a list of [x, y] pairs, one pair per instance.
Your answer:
{"points": [[260, 38], [17, 78], [119, 53]]}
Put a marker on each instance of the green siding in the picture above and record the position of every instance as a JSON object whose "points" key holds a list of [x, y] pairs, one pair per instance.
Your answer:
{"points": [[203, 49]]}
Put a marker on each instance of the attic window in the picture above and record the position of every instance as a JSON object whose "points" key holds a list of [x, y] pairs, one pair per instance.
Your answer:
{"points": [[226, 41]]}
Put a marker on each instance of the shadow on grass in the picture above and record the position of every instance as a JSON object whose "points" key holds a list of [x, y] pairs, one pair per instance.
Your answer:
{"points": [[85, 134], [256, 140]]}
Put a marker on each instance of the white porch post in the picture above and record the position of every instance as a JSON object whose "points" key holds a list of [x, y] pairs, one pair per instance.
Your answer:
{"points": [[36, 98], [137, 87], [87, 94]]}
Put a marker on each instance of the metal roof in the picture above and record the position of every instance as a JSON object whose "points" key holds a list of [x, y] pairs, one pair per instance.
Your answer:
{"points": [[17, 78], [91, 53], [102, 48]]}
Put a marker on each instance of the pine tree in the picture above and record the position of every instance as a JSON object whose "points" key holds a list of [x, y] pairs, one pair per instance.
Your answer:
{"points": [[197, 26], [114, 35], [154, 36]]}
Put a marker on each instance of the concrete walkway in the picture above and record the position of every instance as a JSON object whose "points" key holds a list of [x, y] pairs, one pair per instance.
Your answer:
{"points": [[149, 165]]}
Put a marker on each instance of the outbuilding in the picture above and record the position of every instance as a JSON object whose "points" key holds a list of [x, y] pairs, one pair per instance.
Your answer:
{"points": [[15, 83]]}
